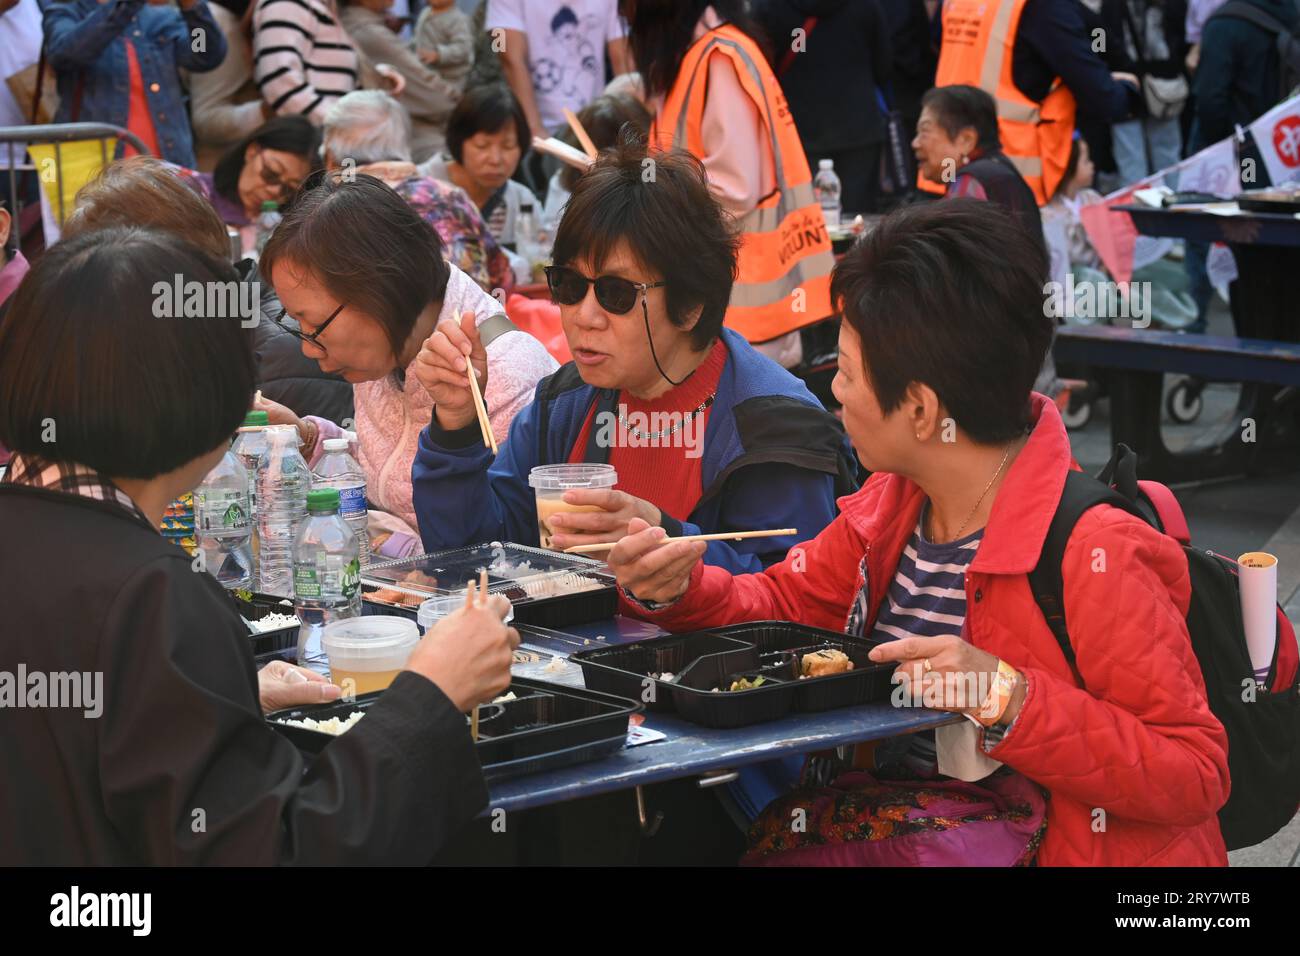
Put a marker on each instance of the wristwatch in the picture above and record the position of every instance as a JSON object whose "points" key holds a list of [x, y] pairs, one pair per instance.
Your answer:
{"points": [[999, 696]]}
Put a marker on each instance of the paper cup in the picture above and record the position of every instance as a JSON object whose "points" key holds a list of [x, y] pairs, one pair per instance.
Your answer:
{"points": [[1258, 577]]}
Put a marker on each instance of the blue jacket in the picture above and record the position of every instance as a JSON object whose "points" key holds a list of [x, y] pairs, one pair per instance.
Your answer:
{"points": [[85, 42], [772, 458]]}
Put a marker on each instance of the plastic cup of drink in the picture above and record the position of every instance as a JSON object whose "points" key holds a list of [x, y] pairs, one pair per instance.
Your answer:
{"points": [[550, 482], [366, 653], [436, 608]]}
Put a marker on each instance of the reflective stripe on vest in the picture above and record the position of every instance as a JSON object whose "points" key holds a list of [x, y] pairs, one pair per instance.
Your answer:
{"points": [[785, 258], [978, 39]]}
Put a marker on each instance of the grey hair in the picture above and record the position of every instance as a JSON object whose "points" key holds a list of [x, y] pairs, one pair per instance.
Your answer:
{"points": [[367, 126]]}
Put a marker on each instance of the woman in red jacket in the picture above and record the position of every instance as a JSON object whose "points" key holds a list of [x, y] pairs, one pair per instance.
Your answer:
{"points": [[944, 332]]}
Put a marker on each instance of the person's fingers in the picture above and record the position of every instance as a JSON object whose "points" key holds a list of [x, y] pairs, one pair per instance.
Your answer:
{"points": [[446, 344], [907, 647], [638, 542], [513, 637], [667, 564], [310, 675], [498, 605], [469, 329], [455, 333], [593, 521], [599, 497]]}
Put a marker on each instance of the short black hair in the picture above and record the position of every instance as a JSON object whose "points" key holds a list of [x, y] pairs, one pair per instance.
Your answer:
{"points": [[86, 362], [367, 246], [288, 134], [959, 106], [670, 221], [950, 294], [485, 109]]}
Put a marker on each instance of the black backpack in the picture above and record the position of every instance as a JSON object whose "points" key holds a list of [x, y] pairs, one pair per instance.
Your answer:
{"points": [[1263, 728], [1288, 43]]}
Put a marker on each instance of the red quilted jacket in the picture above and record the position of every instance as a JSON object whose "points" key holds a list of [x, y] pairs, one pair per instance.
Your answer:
{"points": [[1130, 734]]}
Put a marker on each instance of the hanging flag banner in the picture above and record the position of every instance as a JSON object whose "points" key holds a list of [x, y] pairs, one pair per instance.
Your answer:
{"points": [[1277, 134], [1213, 170], [1111, 233]]}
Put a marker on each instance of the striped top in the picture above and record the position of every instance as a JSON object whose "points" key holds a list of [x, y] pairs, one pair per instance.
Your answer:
{"points": [[303, 59], [927, 597]]}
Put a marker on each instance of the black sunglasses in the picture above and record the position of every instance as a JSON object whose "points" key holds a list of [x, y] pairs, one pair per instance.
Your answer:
{"points": [[615, 295], [314, 338]]}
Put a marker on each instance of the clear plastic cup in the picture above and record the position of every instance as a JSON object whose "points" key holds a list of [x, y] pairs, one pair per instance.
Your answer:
{"points": [[367, 653], [436, 608], [550, 482]]}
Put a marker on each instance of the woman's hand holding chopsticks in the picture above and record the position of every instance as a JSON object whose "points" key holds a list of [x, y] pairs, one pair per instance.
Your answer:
{"points": [[469, 652], [650, 570], [442, 367]]}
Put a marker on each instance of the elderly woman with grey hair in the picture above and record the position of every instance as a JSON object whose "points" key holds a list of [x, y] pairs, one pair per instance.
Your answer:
{"points": [[369, 132], [428, 98]]}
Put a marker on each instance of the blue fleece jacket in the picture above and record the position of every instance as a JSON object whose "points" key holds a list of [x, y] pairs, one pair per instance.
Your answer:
{"points": [[772, 458]]}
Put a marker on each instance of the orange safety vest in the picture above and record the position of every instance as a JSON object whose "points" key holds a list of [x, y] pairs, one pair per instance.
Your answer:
{"points": [[783, 279], [978, 37]]}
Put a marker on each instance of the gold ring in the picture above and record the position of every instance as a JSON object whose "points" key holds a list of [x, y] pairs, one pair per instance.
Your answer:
{"points": [[927, 666]]}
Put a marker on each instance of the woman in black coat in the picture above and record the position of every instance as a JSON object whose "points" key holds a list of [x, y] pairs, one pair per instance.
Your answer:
{"points": [[140, 738]]}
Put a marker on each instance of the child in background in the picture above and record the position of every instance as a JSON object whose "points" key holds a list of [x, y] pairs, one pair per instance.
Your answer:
{"points": [[444, 41], [1071, 251]]}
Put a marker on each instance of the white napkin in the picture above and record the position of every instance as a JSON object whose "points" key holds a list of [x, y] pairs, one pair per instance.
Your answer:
{"points": [[957, 747]]}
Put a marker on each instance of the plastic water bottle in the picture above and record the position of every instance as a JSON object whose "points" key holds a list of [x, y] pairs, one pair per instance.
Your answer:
{"points": [[223, 523], [267, 220], [337, 469], [249, 447], [326, 574], [283, 480], [827, 188]]}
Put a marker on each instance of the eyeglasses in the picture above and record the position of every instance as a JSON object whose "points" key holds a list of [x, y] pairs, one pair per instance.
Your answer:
{"points": [[615, 295], [314, 338], [275, 177]]}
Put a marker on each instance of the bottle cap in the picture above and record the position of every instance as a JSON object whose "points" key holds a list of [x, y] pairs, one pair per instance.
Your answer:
{"points": [[825, 164], [270, 205], [254, 419], [323, 500], [336, 444]]}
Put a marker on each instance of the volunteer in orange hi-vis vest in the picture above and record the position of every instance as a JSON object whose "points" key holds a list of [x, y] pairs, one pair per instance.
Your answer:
{"points": [[785, 260], [978, 37]]}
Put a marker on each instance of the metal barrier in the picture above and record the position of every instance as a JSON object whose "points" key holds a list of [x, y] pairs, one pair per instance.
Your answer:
{"points": [[16, 139]]}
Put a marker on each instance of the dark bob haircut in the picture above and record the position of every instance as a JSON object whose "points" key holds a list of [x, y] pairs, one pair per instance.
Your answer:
{"points": [[485, 109], [659, 203], [959, 107], [86, 362], [950, 294], [288, 134], [367, 246]]}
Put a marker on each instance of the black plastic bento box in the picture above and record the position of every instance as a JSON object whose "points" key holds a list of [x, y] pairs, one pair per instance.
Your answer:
{"points": [[705, 662], [546, 727], [546, 588], [253, 606]]}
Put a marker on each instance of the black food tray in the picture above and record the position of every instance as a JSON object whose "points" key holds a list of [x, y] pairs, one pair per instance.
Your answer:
{"points": [[867, 682], [704, 660], [258, 606], [625, 669], [549, 726]]}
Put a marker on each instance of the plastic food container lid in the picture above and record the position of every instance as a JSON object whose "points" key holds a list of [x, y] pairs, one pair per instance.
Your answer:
{"points": [[379, 642], [580, 475], [256, 419], [436, 608]]}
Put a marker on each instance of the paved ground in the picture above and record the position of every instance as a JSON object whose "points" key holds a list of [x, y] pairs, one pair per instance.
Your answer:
{"points": [[1232, 516]]}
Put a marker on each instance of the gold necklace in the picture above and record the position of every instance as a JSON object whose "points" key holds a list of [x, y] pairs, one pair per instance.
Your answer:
{"points": [[980, 500]]}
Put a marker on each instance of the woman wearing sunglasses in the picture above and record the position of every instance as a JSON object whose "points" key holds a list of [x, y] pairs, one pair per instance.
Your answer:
{"points": [[267, 166], [363, 283], [705, 434]]}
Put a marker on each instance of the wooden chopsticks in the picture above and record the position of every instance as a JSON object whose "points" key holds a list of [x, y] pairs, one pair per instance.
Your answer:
{"points": [[480, 409], [471, 601], [719, 536]]}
